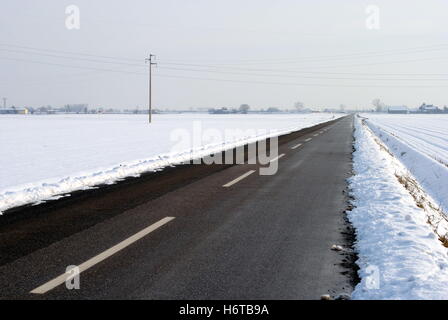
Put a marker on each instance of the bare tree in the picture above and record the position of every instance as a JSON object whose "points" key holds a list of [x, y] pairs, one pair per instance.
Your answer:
{"points": [[299, 106], [342, 107], [378, 105], [244, 108]]}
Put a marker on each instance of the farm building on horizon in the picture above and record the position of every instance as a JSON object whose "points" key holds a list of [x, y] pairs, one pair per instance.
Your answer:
{"points": [[429, 108], [398, 110], [14, 110]]}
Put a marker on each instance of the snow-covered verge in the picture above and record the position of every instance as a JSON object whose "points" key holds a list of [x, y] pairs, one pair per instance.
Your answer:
{"points": [[43, 157], [423, 149], [399, 254]]}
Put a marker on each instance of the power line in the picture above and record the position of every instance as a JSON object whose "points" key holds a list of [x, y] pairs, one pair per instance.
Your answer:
{"points": [[70, 53], [222, 80], [73, 58], [211, 66], [305, 69], [304, 77], [69, 66], [435, 47], [308, 59], [303, 84], [238, 68]]}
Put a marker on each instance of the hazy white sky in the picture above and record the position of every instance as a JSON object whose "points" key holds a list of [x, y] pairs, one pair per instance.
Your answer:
{"points": [[224, 53]]}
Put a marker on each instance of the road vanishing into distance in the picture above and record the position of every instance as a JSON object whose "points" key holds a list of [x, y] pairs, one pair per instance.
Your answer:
{"points": [[194, 231]]}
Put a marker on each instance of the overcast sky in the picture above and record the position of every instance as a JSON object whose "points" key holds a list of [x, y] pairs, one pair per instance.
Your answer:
{"points": [[224, 53]]}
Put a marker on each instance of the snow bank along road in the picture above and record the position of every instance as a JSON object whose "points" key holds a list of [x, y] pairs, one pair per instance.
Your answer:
{"points": [[194, 231], [400, 254], [46, 156]]}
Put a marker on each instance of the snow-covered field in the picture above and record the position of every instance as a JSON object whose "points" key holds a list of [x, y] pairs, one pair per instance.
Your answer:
{"points": [[427, 134], [420, 142], [44, 156], [400, 255]]}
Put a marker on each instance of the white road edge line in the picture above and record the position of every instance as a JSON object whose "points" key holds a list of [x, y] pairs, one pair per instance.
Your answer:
{"points": [[309, 139], [102, 256], [315, 135], [276, 158], [296, 146], [231, 183]]}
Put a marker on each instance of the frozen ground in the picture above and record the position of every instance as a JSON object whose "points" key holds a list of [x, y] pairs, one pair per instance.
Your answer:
{"points": [[420, 142], [400, 255], [44, 156]]}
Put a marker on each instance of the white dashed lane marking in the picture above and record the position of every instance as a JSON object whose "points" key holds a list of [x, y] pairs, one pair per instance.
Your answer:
{"points": [[231, 183], [101, 257]]}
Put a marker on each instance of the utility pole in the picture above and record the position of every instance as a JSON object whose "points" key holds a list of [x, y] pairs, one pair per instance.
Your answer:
{"points": [[151, 63], [4, 103]]}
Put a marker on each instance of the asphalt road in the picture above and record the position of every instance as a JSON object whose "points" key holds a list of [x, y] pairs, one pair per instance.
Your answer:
{"points": [[194, 231]]}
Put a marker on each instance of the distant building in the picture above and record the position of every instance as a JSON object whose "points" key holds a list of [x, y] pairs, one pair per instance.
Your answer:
{"points": [[14, 110], [398, 110], [222, 111], [429, 108]]}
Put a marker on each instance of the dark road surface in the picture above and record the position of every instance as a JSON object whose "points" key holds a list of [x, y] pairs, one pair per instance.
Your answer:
{"points": [[262, 237]]}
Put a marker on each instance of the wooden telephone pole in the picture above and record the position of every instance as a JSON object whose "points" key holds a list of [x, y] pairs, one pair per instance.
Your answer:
{"points": [[151, 63]]}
